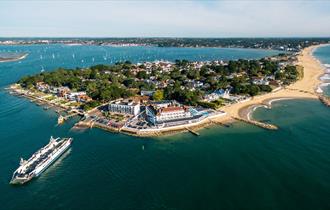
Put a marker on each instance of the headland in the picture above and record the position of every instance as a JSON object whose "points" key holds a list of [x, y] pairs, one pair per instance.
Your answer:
{"points": [[15, 58], [297, 76]]}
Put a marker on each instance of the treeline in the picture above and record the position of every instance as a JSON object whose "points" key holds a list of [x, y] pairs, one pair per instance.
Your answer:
{"points": [[259, 43], [184, 82], [264, 43], [290, 74], [99, 86]]}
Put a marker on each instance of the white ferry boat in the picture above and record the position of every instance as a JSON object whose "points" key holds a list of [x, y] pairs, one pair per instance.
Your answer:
{"points": [[40, 160]]}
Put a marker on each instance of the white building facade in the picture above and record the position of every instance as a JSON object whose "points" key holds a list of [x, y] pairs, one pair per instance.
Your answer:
{"points": [[165, 114], [125, 107]]}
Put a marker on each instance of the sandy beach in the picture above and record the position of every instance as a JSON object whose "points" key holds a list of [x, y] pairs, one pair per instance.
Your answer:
{"points": [[304, 88]]}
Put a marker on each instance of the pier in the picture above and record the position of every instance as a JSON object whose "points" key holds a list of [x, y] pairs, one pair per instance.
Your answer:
{"points": [[61, 118], [257, 123]]}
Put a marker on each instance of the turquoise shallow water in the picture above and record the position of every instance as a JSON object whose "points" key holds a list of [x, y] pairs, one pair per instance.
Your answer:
{"points": [[242, 167]]}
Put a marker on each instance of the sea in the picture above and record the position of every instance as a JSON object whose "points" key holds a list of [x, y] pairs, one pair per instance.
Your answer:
{"points": [[239, 167]]}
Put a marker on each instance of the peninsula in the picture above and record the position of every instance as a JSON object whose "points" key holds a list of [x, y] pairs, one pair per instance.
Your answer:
{"points": [[157, 98], [12, 58]]}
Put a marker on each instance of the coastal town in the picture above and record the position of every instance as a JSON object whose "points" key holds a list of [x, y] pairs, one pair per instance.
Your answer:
{"points": [[161, 97], [165, 105], [281, 44]]}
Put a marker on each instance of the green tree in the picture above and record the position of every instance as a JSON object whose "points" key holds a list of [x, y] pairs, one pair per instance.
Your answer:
{"points": [[158, 95], [142, 75], [254, 90]]}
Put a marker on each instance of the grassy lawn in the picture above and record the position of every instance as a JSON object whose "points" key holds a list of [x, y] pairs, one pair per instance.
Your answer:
{"points": [[50, 98]]}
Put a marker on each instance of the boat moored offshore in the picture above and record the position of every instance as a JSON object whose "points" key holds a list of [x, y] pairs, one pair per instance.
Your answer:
{"points": [[40, 160], [60, 119]]}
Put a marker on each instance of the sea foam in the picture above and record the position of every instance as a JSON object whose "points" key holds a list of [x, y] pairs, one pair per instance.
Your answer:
{"points": [[325, 84], [325, 77]]}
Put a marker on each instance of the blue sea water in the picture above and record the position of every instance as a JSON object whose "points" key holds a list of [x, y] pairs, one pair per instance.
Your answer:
{"points": [[323, 55], [49, 57], [241, 167]]}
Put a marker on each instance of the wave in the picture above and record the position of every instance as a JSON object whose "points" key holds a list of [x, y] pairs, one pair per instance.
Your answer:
{"points": [[327, 65], [324, 84], [268, 105], [277, 99], [253, 109], [325, 77], [321, 87]]}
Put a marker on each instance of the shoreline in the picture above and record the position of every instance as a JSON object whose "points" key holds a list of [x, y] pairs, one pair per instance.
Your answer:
{"points": [[306, 88], [193, 127]]}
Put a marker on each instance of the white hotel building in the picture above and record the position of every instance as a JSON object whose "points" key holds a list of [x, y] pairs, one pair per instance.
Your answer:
{"points": [[165, 114], [125, 107]]}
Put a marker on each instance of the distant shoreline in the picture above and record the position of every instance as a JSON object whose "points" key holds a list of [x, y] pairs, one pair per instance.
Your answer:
{"points": [[187, 47], [2, 60], [286, 44]]}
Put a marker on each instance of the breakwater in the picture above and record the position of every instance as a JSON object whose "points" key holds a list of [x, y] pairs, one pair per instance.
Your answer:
{"points": [[325, 100], [267, 126]]}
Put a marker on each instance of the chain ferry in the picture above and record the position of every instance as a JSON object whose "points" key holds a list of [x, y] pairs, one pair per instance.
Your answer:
{"points": [[40, 160]]}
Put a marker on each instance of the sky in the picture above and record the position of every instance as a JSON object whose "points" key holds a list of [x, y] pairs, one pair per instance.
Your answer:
{"points": [[181, 18]]}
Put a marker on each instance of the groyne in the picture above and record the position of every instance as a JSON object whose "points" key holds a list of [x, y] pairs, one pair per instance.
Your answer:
{"points": [[192, 131], [325, 100], [267, 126]]}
